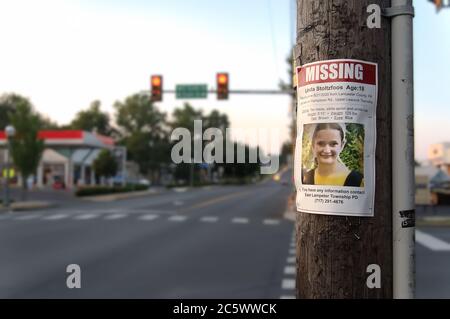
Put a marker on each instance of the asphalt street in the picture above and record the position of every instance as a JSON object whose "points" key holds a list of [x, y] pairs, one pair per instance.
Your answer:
{"points": [[209, 242]]}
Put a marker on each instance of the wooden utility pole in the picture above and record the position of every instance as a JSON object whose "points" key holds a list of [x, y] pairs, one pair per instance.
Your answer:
{"points": [[333, 252]]}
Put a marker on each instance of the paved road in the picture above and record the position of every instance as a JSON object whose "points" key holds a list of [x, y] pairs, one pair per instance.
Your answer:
{"points": [[433, 262], [213, 242]]}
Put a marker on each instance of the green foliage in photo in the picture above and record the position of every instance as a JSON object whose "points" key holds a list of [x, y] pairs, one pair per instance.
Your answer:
{"points": [[353, 153]]}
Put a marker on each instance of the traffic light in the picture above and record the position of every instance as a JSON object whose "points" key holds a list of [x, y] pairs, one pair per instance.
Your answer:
{"points": [[440, 4], [222, 80], [157, 88]]}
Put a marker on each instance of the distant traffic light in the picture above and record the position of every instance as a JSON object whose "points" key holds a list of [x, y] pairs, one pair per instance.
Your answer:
{"points": [[157, 88], [437, 3], [222, 80], [440, 4]]}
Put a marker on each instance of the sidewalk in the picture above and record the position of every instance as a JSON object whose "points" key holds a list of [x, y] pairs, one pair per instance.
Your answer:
{"points": [[28, 205]]}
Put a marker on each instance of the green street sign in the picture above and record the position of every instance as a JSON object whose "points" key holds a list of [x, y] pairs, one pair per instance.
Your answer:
{"points": [[191, 91]]}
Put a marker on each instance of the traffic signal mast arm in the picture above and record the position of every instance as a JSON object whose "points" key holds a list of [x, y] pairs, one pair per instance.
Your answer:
{"points": [[249, 91]]}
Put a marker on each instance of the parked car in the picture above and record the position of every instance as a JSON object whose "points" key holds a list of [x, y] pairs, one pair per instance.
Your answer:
{"points": [[144, 181], [58, 182]]}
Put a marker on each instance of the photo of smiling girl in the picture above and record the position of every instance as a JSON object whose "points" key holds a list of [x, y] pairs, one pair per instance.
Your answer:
{"points": [[324, 149]]}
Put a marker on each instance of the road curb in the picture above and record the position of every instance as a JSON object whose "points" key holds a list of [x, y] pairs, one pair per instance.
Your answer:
{"points": [[26, 206], [114, 197], [436, 221]]}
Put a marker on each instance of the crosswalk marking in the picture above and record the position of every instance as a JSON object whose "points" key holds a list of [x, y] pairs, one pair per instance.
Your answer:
{"points": [[28, 217], [291, 260], [288, 284], [115, 216], [289, 270], [177, 218], [209, 219], [272, 222], [55, 217], [431, 242], [148, 217], [240, 220], [143, 215], [86, 216]]}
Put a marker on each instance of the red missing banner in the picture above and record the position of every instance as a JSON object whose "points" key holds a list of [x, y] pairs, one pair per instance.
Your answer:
{"points": [[337, 71]]}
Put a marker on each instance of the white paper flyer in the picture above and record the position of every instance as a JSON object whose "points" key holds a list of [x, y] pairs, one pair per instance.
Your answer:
{"points": [[336, 137]]}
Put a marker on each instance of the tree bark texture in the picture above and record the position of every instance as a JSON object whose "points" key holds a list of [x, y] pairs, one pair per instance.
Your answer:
{"points": [[333, 252]]}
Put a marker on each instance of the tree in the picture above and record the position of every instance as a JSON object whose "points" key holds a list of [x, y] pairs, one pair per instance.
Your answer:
{"points": [[92, 119], [217, 120], [185, 117], [47, 124], [26, 149], [144, 132], [105, 164], [8, 103]]}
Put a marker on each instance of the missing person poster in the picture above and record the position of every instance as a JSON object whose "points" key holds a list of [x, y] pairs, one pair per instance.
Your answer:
{"points": [[336, 137]]}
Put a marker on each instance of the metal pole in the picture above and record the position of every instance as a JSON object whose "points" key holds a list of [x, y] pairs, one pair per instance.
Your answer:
{"points": [[191, 175], [403, 222], [7, 201], [124, 166]]}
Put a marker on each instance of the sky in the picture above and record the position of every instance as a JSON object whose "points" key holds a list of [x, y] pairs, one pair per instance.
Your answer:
{"points": [[63, 54]]}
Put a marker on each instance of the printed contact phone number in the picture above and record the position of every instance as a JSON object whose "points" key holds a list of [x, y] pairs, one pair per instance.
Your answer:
{"points": [[328, 201]]}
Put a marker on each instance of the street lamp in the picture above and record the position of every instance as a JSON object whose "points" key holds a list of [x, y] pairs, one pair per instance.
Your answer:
{"points": [[10, 131]]}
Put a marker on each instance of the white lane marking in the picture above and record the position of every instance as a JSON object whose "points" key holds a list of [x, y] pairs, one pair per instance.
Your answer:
{"points": [[178, 202], [240, 220], [85, 216], [180, 189], [55, 217], [148, 217], [291, 260], [209, 219], [177, 218], [27, 217], [271, 222], [292, 251], [288, 284], [431, 242], [290, 270], [293, 245], [115, 216], [288, 297]]}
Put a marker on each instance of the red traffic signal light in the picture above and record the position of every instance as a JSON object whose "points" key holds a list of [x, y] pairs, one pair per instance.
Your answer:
{"points": [[440, 4], [157, 85], [223, 81]]}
